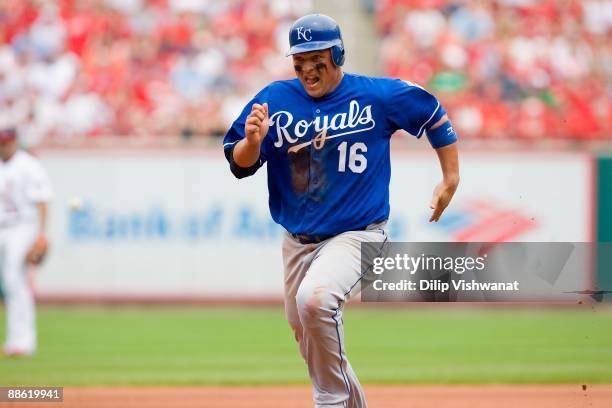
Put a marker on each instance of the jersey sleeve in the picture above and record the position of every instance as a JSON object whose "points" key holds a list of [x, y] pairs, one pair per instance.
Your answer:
{"points": [[236, 133], [413, 109], [38, 188]]}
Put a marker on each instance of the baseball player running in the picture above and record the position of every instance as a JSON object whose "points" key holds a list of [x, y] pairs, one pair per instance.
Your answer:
{"points": [[325, 137], [24, 193]]}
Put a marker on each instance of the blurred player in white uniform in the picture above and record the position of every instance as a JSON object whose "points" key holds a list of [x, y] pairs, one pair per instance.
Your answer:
{"points": [[24, 193]]}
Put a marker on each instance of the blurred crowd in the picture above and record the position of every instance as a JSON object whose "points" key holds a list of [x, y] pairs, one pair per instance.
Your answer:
{"points": [[84, 68], [520, 69], [512, 69]]}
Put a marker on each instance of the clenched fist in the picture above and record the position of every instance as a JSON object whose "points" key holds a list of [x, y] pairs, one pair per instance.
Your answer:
{"points": [[257, 123]]}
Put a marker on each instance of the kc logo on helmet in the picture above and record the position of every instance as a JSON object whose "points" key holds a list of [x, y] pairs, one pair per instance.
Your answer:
{"points": [[306, 34]]}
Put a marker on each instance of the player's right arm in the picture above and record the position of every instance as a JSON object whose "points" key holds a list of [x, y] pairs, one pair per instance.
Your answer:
{"points": [[247, 151], [244, 143]]}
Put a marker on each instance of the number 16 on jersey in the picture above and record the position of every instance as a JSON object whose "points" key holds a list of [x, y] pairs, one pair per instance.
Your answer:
{"points": [[357, 162]]}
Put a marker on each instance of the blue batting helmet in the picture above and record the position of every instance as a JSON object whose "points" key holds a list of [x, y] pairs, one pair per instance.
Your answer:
{"points": [[316, 32]]}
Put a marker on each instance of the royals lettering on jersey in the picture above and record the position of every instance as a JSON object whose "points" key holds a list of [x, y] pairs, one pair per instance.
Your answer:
{"points": [[354, 120], [328, 159]]}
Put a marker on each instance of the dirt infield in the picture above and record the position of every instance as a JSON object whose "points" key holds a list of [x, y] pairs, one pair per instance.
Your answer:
{"points": [[498, 396]]}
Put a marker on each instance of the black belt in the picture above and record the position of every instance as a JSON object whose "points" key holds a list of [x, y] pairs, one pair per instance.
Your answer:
{"points": [[310, 239], [315, 239]]}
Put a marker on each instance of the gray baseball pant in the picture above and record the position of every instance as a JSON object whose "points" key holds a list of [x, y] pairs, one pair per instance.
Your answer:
{"points": [[319, 279]]}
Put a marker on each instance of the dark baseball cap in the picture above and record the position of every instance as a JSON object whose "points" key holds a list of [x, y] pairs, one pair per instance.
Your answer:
{"points": [[8, 134]]}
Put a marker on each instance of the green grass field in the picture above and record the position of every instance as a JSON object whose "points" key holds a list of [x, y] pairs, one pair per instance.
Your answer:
{"points": [[197, 345]]}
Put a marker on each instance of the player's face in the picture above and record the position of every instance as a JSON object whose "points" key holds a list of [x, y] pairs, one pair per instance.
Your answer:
{"points": [[7, 149], [317, 72]]}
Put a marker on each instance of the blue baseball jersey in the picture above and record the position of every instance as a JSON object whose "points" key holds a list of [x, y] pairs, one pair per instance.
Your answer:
{"points": [[328, 158]]}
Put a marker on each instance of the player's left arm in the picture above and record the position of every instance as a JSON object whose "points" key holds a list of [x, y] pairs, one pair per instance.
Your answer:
{"points": [[442, 134], [40, 192], [42, 217], [418, 112], [39, 248]]}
